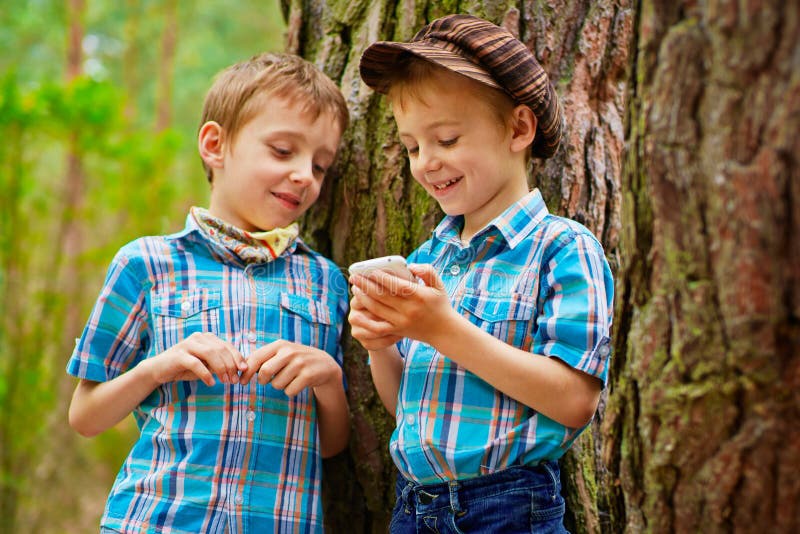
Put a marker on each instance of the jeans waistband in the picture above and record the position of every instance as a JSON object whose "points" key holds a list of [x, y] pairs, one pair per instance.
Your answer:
{"points": [[455, 492]]}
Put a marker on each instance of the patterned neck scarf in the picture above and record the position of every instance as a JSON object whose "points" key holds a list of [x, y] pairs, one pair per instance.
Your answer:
{"points": [[250, 247]]}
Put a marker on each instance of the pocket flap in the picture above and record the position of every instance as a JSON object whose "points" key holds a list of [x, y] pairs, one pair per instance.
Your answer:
{"points": [[184, 304], [308, 308], [513, 307]]}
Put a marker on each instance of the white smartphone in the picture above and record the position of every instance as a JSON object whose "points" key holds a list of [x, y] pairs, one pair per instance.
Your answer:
{"points": [[395, 265]]}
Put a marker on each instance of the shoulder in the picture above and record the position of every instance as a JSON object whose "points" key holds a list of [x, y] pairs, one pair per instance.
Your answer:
{"points": [[560, 233], [148, 254], [149, 248]]}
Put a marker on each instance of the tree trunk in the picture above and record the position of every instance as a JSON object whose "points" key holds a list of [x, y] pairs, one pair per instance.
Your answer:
{"points": [[701, 427], [371, 206]]}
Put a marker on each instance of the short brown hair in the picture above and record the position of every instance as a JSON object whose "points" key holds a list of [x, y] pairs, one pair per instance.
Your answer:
{"points": [[231, 101], [411, 73]]}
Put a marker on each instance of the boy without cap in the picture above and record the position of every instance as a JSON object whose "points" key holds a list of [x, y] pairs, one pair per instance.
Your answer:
{"points": [[223, 339], [495, 364]]}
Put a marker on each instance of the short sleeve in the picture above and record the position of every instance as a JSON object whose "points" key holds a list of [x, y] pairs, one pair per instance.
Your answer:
{"points": [[576, 299], [114, 338]]}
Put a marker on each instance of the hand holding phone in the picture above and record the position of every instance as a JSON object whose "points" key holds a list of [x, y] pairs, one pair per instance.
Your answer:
{"points": [[395, 265]]}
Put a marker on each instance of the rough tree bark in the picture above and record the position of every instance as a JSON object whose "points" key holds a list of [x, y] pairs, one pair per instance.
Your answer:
{"points": [[372, 206], [701, 427]]}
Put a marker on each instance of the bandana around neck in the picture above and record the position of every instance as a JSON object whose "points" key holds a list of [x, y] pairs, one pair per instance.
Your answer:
{"points": [[250, 247]]}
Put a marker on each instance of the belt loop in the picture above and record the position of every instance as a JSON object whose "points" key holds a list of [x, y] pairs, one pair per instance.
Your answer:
{"points": [[455, 506], [405, 496]]}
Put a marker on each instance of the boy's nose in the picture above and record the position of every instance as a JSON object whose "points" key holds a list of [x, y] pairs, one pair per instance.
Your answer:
{"points": [[429, 161], [303, 173]]}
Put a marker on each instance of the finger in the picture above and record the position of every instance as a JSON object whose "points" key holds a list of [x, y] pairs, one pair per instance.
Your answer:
{"points": [[393, 285], [368, 324], [256, 360], [196, 367], [280, 378], [381, 310], [270, 371], [238, 358], [232, 359], [427, 274], [211, 350]]}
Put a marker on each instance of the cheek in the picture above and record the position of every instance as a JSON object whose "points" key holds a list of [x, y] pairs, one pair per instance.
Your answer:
{"points": [[313, 193]]}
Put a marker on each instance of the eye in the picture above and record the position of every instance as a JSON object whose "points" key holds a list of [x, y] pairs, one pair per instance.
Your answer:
{"points": [[449, 142], [320, 171], [280, 151], [412, 150]]}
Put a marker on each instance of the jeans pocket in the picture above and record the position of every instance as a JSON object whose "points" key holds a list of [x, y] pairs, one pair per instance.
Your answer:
{"points": [[547, 503]]}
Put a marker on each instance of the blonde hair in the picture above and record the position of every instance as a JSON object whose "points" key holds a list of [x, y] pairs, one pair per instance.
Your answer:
{"points": [[235, 96]]}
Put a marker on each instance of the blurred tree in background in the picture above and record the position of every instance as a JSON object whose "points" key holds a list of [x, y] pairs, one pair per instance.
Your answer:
{"points": [[99, 106]]}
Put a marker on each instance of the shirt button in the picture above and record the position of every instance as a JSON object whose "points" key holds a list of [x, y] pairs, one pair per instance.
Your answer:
{"points": [[252, 337], [251, 416], [186, 305], [455, 269], [239, 499], [410, 419]]}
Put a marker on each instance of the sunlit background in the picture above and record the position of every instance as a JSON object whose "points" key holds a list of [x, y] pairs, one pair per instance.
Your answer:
{"points": [[99, 106]]}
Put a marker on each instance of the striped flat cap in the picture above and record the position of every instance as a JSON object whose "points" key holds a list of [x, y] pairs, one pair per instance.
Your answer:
{"points": [[484, 52]]}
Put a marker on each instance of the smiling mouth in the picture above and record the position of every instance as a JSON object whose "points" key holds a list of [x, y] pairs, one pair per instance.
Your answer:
{"points": [[445, 185], [288, 199]]}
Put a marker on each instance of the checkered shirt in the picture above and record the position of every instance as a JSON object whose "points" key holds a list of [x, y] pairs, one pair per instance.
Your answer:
{"points": [[538, 282], [226, 458]]}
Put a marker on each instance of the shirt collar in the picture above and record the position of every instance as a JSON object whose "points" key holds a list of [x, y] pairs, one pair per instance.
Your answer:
{"points": [[514, 224]]}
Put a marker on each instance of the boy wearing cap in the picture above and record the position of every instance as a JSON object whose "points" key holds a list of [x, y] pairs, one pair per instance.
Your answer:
{"points": [[495, 364], [223, 339]]}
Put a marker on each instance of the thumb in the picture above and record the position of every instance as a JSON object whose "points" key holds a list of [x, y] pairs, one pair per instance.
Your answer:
{"points": [[427, 274]]}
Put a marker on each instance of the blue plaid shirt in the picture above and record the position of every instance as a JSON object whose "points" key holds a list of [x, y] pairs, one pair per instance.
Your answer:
{"points": [[536, 281], [227, 458]]}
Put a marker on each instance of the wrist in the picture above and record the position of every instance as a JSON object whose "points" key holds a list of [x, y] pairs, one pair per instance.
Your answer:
{"points": [[146, 374], [331, 386], [382, 352], [449, 328]]}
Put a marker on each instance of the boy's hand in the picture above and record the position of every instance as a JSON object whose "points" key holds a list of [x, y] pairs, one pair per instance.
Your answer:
{"points": [[369, 329], [291, 367], [198, 357], [400, 308]]}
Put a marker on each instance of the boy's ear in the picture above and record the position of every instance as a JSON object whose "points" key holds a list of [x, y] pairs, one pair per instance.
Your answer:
{"points": [[211, 144], [523, 128]]}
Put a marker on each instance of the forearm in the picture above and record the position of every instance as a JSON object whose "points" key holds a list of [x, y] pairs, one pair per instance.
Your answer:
{"points": [[333, 417], [97, 406], [386, 367], [545, 384]]}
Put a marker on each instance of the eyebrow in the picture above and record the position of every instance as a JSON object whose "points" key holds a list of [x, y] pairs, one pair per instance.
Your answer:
{"points": [[437, 124], [299, 135]]}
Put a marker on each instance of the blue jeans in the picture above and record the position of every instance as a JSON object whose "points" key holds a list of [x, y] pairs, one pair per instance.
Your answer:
{"points": [[518, 499]]}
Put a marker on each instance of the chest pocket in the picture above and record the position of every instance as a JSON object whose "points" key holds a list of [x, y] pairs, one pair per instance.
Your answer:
{"points": [[179, 314], [508, 317], [307, 321]]}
